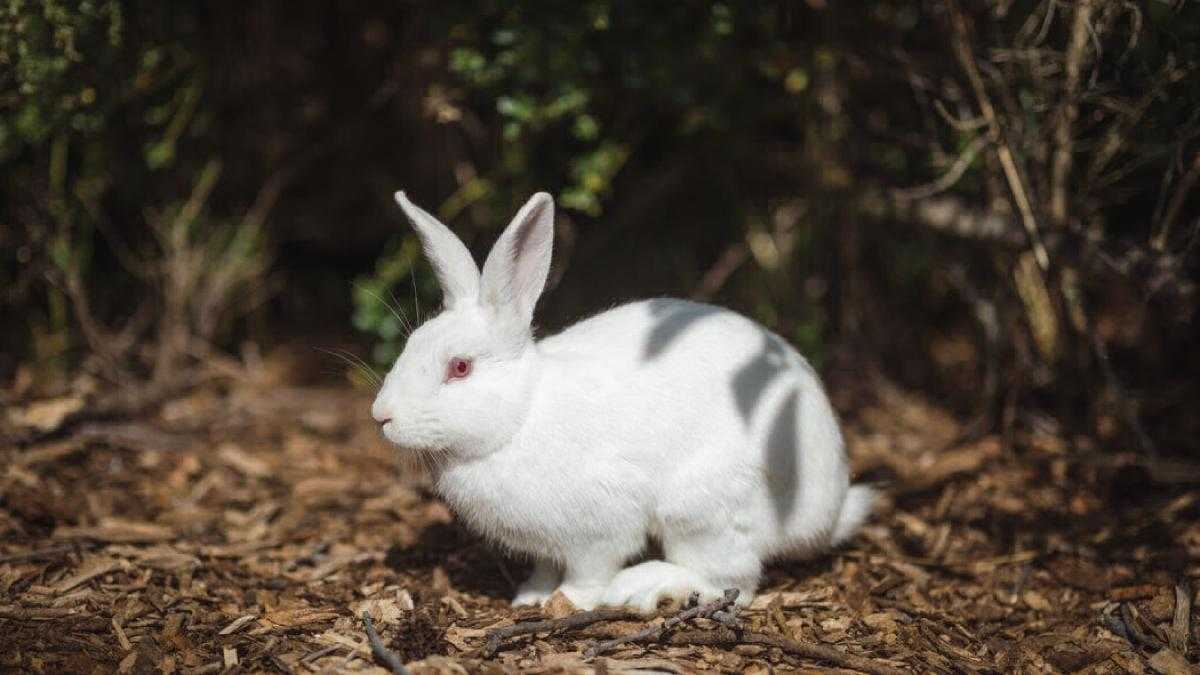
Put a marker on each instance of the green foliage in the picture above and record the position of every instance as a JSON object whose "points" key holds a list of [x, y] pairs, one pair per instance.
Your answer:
{"points": [[51, 86], [379, 310], [581, 92]]}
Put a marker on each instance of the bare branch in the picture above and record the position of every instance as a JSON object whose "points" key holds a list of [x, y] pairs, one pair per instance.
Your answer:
{"points": [[952, 215], [1159, 241], [1068, 111], [723, 607], [1004, 153], [959, 124], [385, 655], [948, 179], [717, 275], [577, 620], [807, 650]]}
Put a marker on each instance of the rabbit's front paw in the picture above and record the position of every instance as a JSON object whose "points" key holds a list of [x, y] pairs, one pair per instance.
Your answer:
{"points": [[583, 596], [527, 597], [538, 588], [645, 584]]}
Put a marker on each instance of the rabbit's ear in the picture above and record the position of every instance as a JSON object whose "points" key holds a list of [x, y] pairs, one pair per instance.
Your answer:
{"points": [[516, 269], [456, 270]]}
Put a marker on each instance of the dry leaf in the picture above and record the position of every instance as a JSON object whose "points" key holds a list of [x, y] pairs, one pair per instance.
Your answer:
{"points": [[558, 606], [287, 618], [237, 624], [1169, 662], [331, 638], [121, 637], [45, 415], [167, 559], [1036, 601], [88, 570], [382, 610], [458, 636], [118, 531], [243, 462]]}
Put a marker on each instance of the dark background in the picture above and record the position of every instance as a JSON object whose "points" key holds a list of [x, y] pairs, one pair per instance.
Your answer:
{"points": [[992, 202]]}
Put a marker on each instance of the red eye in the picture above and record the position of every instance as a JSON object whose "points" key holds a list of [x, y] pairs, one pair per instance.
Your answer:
{"points": [[458, 368]]}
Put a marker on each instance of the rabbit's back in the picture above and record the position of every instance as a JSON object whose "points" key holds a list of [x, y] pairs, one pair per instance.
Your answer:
{"points": [[702, 401]]}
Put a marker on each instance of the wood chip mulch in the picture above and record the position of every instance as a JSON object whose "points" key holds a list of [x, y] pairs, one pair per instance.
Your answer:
{"points": [[247, 527]]}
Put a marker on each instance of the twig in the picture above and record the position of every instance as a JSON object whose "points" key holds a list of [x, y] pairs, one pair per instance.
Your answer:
{"points": [[577, 620], [280, 665], [654, 633], [996, 133], [948, 179], [716, 276], [1068, 112], [43, 554], [1178, 633], [959, 124], [807, 650], [1130, 618], [950, 215], [385, 655], [1159, 241]]}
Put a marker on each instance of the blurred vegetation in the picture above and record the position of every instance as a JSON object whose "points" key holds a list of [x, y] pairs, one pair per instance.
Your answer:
{"points": [[993, 201]]}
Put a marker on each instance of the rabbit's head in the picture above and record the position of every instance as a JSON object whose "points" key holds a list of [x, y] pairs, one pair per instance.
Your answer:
{"points": [[463, 384]]}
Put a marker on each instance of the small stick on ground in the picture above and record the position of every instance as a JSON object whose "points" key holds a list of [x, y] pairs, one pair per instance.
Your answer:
{"points": [[725, 636], [385, 655], [51, 552], [1179, 630], [577, 620], [722, 610]]}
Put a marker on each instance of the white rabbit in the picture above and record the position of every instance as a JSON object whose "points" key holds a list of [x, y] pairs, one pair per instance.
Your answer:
{"points": [[661, 419]]}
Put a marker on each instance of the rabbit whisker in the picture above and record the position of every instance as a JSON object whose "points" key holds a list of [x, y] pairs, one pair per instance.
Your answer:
{"points": [[355, 363], [403, 321], [408, 324], [412, 275]]}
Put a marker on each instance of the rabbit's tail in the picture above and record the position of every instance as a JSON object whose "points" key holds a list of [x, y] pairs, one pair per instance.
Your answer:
{"points": [[855, 509]]}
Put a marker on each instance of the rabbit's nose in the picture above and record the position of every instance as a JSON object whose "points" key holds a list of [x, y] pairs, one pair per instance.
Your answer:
{"points": [[380, 412]]}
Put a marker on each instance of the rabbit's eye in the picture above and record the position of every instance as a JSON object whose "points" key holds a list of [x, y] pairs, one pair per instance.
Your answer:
{"points": [[458, 368]]}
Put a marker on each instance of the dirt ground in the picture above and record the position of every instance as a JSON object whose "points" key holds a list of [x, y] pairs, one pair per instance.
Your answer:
{"points": [[245, 525]]}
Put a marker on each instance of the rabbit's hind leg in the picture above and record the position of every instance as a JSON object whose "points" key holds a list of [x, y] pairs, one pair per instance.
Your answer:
{"points": [[704, 564], [642, 586]]}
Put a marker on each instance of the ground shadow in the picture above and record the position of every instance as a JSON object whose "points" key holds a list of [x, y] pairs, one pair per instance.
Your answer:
{"points": [[470, 564]]}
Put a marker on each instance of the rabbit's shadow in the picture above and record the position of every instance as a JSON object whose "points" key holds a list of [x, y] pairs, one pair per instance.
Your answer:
{"points": [[471, 565]]}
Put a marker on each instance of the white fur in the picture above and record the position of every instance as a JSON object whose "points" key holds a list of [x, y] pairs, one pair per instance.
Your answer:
{"points": [[664, 419]]}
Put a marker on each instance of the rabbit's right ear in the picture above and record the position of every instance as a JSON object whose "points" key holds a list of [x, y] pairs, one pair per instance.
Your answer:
{"points": [[515, 272], [452, 262]]}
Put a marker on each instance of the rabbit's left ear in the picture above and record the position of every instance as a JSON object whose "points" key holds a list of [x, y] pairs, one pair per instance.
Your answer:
{"points": [[514, 275]]}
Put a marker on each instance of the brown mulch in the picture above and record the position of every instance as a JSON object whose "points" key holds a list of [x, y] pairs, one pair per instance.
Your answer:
{"points": [[247, 525]]}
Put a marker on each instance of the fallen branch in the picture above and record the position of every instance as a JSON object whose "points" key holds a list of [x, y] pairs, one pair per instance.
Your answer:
{"points": [[385, 655], [722, 609], [577, 620], [727, 636]]}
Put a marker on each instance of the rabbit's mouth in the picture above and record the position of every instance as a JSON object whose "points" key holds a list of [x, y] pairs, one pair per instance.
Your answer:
{"points": [[425, 452]]}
